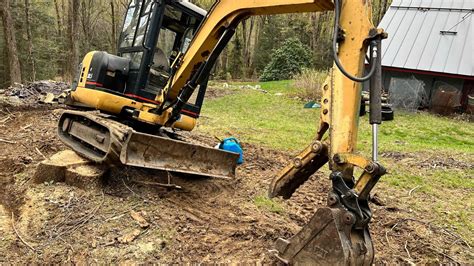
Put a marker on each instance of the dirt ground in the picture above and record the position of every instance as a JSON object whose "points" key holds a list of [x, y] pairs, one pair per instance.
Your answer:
{"points": [[208, 220]]}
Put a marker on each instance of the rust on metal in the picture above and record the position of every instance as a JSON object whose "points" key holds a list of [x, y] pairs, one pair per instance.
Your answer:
{"points": [[328, 239], [162, 153]]}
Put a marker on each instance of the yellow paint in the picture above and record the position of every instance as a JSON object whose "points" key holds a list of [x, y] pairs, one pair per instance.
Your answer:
{"points": [[345, 94], [103, 101], [114, 104], [86, 64]]}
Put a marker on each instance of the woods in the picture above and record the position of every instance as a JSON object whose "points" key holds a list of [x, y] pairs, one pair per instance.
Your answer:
{"points": [[47, 39]]}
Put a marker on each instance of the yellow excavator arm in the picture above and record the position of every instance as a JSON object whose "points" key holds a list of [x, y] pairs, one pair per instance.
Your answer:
{"points": [[339, 233], [225, 15]]}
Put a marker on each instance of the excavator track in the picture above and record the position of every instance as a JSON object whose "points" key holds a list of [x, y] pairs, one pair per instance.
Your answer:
{"points": [[101, 139], [93, 135]]}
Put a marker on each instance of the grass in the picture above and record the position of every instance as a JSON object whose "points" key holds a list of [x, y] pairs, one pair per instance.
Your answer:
{"points": [[268, 204], [278, 120], [420, 132], [265, 118]]}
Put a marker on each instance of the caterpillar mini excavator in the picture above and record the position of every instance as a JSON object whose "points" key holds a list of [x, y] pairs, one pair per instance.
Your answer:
{"points": [[156, 85]]}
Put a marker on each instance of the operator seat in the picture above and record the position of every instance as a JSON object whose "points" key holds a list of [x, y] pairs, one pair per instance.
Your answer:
{"points": [[159, 71]]}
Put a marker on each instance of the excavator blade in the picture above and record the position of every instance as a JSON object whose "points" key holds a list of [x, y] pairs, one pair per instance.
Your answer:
{"points": [[328, 239], [150, 151], [100, 139]]}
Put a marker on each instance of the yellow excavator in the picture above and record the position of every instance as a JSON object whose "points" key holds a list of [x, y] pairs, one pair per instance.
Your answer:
{"points": [[133, 104]]}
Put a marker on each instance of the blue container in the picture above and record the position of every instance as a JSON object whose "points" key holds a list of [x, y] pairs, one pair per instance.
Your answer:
{"points": [[232, 144]]}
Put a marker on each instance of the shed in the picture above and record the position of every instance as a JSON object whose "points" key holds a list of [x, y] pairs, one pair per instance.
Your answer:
{"points": [[428, 58]]}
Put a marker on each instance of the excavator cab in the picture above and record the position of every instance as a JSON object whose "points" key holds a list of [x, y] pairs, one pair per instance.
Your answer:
{"points": [[154, 35]]}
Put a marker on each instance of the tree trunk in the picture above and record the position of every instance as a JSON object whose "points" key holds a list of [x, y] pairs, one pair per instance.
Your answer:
{"points": [[315, 29], [58, 17], [114, 28], [73, 33], [10, 40], [31, 58], [383, 9]]}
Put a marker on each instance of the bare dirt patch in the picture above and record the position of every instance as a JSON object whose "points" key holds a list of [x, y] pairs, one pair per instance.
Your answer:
{"points": [[207, 220], [213, 92]]}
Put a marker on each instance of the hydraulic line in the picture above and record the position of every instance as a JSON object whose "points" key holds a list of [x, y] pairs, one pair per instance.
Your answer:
{"points": [[334, 48]]}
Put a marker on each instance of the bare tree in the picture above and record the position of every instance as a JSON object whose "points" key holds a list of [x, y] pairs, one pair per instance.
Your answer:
{"points": [[114, 27], [10, 40], [58, 17], [73, 36], [31, 58], [382, 10]]}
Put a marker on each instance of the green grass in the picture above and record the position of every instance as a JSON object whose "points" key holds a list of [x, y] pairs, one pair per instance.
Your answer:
{"points": [[420, 132], [267, 204], [264, 118], [281, 122]]}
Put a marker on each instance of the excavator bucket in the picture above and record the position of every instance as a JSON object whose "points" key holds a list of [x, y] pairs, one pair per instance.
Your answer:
{"points": [[328, 239], [100, 139]]}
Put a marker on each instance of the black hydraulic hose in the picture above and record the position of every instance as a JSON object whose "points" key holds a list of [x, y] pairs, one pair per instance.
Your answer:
{"points": [[334, 48]]}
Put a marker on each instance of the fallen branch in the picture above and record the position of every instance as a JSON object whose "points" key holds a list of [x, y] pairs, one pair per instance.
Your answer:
{"points": [[8, 141], [158, 184], [26, 127], [5, 119], [406, 249], [40, 153], [444, 254], [19, 236], [83, 220], [412, 190], [10, 112], [386, 237], [129, 189]]}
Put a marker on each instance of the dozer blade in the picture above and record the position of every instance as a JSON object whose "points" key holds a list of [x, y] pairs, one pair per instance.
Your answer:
{"points": [[102, 140], [328, 239], [150, 151]]}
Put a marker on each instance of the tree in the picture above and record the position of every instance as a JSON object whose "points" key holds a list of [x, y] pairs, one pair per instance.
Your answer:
{"points": [[73, 32], [114, 27], [236, 61], [10, 40], [287, 61], [31, 58]]}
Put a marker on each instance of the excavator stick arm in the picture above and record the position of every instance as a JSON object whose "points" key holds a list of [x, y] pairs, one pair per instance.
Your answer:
{"points": [[338, 234]]}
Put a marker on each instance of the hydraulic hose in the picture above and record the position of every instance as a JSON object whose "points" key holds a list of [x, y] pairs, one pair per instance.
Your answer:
{"points": [[334, 48]]}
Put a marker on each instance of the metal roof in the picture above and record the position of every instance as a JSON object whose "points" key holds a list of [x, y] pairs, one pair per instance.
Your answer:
{"points": [[430, 35]]}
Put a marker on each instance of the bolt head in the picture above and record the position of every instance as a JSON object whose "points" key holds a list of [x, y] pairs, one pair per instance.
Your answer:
{"points": [[348, 218], [370, 168], [332, 199], [316, 147], [337, 159], [297, 162]]}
